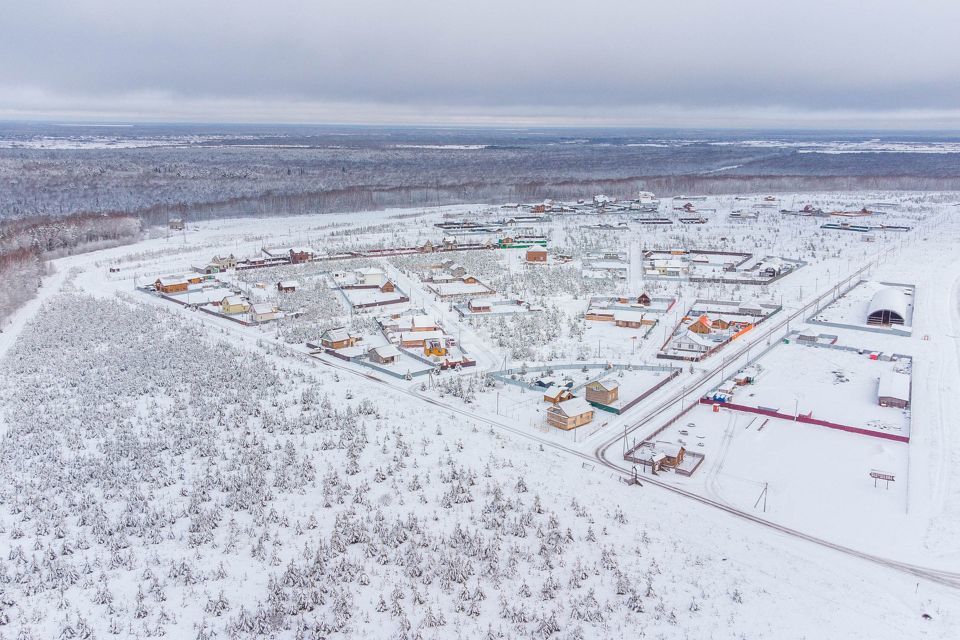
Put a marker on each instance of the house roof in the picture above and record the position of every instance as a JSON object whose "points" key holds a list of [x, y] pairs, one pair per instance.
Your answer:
{"points": [[699, 339], [554, 391], [261, 308], [628, 316], [233, 300], [573, 407], [608, 384], [894, 384], [166, 281], [335, 335], [386, 351], [289, 284]]}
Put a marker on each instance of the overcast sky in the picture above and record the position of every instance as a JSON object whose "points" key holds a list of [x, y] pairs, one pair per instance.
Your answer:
{"points": [[872, 63]]}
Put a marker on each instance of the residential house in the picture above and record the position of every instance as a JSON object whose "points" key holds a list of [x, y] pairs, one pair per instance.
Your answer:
{"points": [[603, 391], [229, 262], [702, 325], [386, 354], [234, 304], [693, 342], [263, 312], [370, 277], [300, 255], [171, 284], [338, 338], [287, 286], [536, 254], [570, 414]]}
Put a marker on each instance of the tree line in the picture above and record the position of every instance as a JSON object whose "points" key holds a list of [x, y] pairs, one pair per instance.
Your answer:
{"points": [[27, 243]]}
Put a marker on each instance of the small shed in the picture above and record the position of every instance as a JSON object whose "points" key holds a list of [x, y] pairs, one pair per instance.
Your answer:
{"points": [[702, 325], [555, 394], [300, 255], [894, 390], [287, 286]]}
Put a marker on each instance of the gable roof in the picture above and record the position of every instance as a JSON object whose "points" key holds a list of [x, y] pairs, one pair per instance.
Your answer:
{"points": [[607, 384], [337, 334], [386, 351], [573, 407], [554, 391], [263, 308]]}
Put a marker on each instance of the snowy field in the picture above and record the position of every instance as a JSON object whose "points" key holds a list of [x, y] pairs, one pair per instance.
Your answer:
{"points": [[810, 473], [825, 384], [174, 473]]}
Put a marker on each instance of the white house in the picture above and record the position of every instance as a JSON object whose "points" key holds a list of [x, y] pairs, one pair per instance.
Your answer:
{"points": [[694, 342], [370, 277], [264, 312]]}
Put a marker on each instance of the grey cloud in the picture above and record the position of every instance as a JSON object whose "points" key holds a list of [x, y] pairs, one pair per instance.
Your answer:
{"points": [[586, 58]]}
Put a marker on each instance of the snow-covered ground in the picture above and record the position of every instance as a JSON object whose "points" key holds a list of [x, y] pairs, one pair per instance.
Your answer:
{"points": [[174, 472]]}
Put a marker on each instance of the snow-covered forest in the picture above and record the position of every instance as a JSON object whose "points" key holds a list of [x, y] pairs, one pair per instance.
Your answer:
{"points": [[149, 493], [26, 244], [201, 174]]}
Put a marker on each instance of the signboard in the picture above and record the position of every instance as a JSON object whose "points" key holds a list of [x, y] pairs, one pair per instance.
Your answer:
{"points": [[881, 475]]}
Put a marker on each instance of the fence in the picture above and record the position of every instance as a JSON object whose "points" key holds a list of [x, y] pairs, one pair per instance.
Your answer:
{"points": [[806, 420]]}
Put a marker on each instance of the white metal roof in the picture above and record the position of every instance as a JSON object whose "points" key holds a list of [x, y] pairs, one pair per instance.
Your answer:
{"points": [[889, 299]]}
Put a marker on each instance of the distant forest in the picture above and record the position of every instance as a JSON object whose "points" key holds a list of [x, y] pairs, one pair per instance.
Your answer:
{"points": [[240, 172], [63, 191]]}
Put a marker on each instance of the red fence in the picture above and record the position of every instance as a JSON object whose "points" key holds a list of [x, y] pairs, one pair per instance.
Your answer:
{"points": [[807, 420]]}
